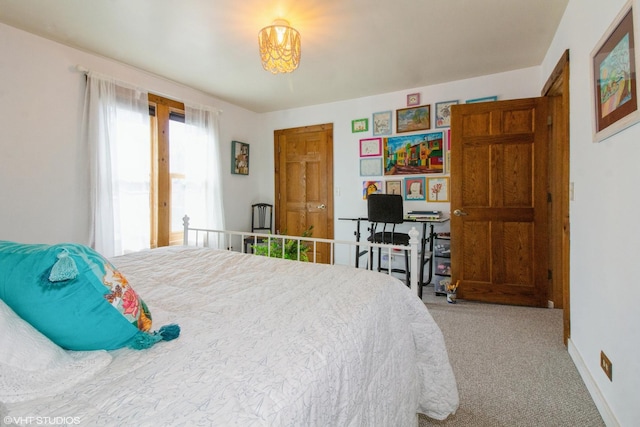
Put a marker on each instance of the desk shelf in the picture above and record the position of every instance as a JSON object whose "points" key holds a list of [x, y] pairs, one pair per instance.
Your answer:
{"points": [[442, 262]]}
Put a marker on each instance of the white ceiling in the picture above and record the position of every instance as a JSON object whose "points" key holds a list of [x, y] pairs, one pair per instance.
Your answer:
{"points": [[350, 48]]}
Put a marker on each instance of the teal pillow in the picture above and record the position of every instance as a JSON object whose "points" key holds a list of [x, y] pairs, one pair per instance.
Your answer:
{"points": [[75, 297]]}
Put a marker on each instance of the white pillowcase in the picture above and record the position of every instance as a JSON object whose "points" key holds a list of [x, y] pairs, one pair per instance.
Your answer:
{"points": [[32, 366]]}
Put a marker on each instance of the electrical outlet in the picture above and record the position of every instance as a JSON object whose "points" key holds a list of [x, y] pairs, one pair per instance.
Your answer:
{"points": [[606, 365]]}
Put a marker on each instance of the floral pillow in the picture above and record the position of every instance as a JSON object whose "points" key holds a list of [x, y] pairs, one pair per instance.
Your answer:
{"points": [[75, 297]]}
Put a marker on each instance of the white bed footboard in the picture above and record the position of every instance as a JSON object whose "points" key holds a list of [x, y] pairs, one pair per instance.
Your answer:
{"points": [[350, 250]]}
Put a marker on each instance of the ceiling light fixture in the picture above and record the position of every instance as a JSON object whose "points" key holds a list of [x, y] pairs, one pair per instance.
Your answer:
{"points": [[279, 47]]}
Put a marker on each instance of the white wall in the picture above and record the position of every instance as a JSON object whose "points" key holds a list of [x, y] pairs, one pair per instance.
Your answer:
{"points": [[44, 193], [43, 174], [605, 231], [347, 180]]}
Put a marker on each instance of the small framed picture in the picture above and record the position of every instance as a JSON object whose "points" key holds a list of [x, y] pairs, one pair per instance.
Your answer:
{"points": [[381, 123], [614, 86], [370, 147], [359, 125], [239, 158], [414, 188], [371, 167], [443, 113], [413, 119], [371, 187], [393, 187], [485, 99], [438, 189], [413, 99]]}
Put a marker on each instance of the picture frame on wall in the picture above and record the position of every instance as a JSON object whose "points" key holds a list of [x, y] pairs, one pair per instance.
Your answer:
{"points": [[414, 188], [614, 63], [443, 113], [413, 99], [239, 158], [381, 123], [438, 189], [420, 153], [485, 99], [370, 147], [413, 119], [393, 187], [371, 167], [359, 125], [371, 187]]}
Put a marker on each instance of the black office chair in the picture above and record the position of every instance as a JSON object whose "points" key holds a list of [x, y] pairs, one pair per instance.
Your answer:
{"points": [[385, 211], [261, 222]]}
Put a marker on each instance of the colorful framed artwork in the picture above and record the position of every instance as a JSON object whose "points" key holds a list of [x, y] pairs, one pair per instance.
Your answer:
{"points": [[418, 154], [414, 188], [443, 113], [614, 63], [393, 187], [359, 125], [371, 187], [381, 123], [413, 99], [413, 119], [438, 189], [371, 167], [239, 158], [370, 147], [485, 99]]}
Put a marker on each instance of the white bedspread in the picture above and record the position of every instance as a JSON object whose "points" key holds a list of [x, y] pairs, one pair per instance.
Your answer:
{"points": [[266, 342]]}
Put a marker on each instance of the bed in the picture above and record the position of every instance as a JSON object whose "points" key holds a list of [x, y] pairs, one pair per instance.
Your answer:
{"points": [[264, 342]]}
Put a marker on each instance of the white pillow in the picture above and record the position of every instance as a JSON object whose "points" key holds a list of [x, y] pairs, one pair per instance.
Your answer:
{"points": [[32, 366]]}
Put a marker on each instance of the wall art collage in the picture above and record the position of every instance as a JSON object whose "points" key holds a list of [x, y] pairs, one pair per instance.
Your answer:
{"points": [[414, 160]]}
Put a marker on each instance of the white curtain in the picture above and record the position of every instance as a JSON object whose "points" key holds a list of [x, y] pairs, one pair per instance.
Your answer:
{"points": [[116, 119], [204, 203]]}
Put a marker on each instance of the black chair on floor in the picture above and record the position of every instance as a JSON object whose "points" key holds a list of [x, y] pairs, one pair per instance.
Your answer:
{"points": [[261, 222], [385, 211]]}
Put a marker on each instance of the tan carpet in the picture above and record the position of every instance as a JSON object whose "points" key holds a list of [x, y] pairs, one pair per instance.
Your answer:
{"points": [[511, 367]]}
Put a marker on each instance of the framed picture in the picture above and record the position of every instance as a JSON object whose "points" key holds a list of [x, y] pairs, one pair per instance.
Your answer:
{"points": [[413, 119], [438, 189], [393, 187], [414, 188], [381, 123], [359, 125], [239, 158], [614, 85], [370, 147], [413, 99], [485, 99], [371, 167], [422, 153], [371, 187], [443, 113]]}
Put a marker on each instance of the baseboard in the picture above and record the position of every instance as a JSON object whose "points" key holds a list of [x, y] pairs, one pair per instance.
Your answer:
{"points": [[606, 413]]}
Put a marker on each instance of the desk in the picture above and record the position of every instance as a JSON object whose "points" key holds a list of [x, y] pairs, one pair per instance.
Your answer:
{"points": [[423, 245]]}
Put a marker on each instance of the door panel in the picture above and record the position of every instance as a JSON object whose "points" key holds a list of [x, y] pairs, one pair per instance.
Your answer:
{"points": [[304, 183], [499, 187]]}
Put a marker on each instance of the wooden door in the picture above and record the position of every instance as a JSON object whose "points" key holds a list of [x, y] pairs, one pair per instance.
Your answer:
{"points": [[304, 183], [499, 229]]}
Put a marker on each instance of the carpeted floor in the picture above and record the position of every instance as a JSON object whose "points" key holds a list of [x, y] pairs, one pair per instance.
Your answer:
{"points": [[511, 367]]}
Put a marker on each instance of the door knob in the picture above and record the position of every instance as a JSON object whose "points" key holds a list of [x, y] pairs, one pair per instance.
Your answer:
{"points": [[322, 206], [459, 212]]}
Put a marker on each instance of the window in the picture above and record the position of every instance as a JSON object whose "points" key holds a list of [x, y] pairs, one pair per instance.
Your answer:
{"points": [[153, 160], [179, 171], [158, 176]]}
